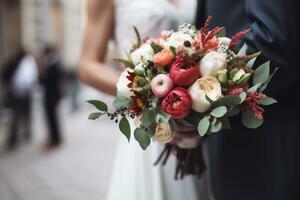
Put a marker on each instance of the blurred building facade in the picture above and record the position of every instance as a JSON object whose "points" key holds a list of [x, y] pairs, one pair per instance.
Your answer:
{"points": [[36, 23]]}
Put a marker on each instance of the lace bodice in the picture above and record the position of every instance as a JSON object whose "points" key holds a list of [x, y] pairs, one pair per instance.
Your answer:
{"points": [[150, 17]]}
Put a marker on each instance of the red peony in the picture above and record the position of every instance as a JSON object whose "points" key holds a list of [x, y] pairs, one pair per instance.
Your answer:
{"points": [[184, 71], [177, 103]]}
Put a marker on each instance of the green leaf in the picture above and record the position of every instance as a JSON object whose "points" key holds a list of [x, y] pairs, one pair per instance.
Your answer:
{"points": [[95, 115], [229, 100], [222, 33], [173, 50], [156, 48], [148, 117], [233, 112], [251, 62], [225, 123], [268, 101], [250, 121], [203, 125], [262, 73], [219, 111], [162, 117], [150, 130], [265, 85], [215, 127], [142, 138], [243, 96], [254, 88], [124, 127], [99, 105], [138, 36], [121, 102], [127, 63], [243, 50]]}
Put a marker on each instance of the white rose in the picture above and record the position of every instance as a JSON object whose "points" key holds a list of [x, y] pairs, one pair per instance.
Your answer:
{"points": [[143, 52], [209, 86], [122, 83], [212, 62], [177, 39], [224, 40], [163, 133]]}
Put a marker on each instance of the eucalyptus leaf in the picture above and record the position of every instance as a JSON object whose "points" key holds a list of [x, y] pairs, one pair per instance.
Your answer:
{"points": [[251, 62], [268, 101], [219, 111], [243, 96], [255, 88], [150, 130], [225, 123], [148, 117], [203, 125], [99, 105], [121, 102], [162, 117], [265, 85], [233, 112], [95, 115], [249, 120], [262, 73], [243, 50], [124, 127], [142, 138], [229, 100], [215, 127]]}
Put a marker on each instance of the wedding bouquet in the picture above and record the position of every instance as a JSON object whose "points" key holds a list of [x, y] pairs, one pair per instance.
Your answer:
{"points": [[192, 78]]}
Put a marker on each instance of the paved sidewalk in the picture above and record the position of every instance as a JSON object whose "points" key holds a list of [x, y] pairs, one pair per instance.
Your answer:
{"points": [[79, 170]]}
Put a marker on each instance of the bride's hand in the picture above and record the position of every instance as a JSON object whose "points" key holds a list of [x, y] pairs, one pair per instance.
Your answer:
{"points": [[183, 132]]}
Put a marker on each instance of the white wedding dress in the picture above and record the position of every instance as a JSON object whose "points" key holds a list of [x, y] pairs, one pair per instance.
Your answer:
{"points": [[134, 177]]}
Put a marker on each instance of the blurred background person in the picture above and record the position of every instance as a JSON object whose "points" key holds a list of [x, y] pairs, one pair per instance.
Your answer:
{"points": [[114, 19], [52, 83], [19, 76]]}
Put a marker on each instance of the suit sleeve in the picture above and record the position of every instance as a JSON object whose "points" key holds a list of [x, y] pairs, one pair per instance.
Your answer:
{"points": [[274, 32]]}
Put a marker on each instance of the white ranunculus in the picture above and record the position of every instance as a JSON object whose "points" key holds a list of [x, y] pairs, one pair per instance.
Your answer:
{"points": [[209, 86], [212, 62], [145, 52], [177, 39], [122, 83], [163, 133], [224, 40]]}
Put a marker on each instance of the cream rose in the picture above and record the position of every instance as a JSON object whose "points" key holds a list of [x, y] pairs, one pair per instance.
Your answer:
{"points": [[143, 52], [209, 86], [163, 133], [212, 62], [122, 83]]}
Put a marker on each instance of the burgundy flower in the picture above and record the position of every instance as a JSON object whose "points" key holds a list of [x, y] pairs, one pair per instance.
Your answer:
{"points": [[137, 105], [177, 103], [184, 71]]}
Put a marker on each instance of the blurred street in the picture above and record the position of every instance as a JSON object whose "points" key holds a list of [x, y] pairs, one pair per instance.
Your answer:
{"points": [[79, 169]]}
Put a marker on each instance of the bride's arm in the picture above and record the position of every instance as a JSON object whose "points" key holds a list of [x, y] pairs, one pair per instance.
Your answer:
{"points": [[98, 32]]}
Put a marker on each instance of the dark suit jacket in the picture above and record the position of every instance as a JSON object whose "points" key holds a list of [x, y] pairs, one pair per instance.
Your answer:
{"points": [[261, 164]]}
